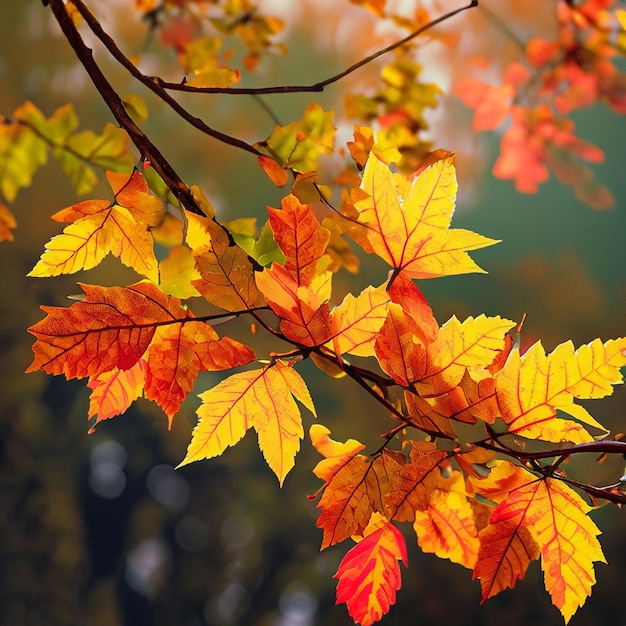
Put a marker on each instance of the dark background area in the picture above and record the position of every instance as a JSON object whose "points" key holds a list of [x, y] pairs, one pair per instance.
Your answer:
{"points": [[99, 530]]}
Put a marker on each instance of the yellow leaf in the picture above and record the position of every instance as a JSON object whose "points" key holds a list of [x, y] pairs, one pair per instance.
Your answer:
{"points": [[177, 271], [356, 321], [262, 399], [83, 244], [473, 343], [531, 388], [408, 220], [447, 528]]}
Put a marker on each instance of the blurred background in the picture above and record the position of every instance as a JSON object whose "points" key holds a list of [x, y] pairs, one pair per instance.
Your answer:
{"points": [[99, 529]]}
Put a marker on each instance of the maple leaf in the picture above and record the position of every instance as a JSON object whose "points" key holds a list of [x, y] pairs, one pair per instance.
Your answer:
{"points": [[114, 391], [369, 574], [300, 237], [408, 220], [354, 485], [540, 517], [227, 275], [113, 327], [473, 343], [357, 320], [98, 227], [447, 526], [531, 388], [262, 399], [303, 309]]}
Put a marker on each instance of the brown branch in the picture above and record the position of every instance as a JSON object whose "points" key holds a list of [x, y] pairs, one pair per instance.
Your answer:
{"points": [[321, 85], [154, 84], [146, 148]]}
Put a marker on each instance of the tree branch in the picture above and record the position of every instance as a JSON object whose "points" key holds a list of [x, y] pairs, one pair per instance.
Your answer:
{"points": [[154, 84], [146, 148]]}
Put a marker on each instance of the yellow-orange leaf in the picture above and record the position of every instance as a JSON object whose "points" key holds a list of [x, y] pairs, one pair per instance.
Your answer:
{"points": [[355, 485], [262, 399], [303, 310], [114, 391], [447, 528], [357, 321], [416, 480], [399, 350], [547, 517], [278, 175], [408, 220], [472, 343], [227, 275], [531, 388], [369, 574], [97, 228]]}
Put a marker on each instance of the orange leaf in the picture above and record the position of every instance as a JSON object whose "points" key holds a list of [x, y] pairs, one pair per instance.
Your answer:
{"points": [[261, 399], [408, 220], [114, 327], [369, 574], [303, 309], [179, 352], [547, 517], [355, 485], [300, 236], [278, 175], [531, 388], [416, 481], [111, 329], [357, 321], [7, 223], [114, 391], [399, 351]]}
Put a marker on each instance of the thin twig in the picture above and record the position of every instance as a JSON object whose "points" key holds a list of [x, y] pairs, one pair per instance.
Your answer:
{"points": [[321, 85]]}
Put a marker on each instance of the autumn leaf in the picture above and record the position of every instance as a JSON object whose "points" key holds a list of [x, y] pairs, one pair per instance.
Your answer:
{"points": [[114, 391], [227, 275], [98, 227], [417, 479], [303, 310], [113, 327], [299, 145], [357, 320], [354, 485], [473, 343], [300, 237], [369, 574], [7, 223], [177, 272], [540, 517], [446, 527], [262, 399], [533, 387], [408, 220]]}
